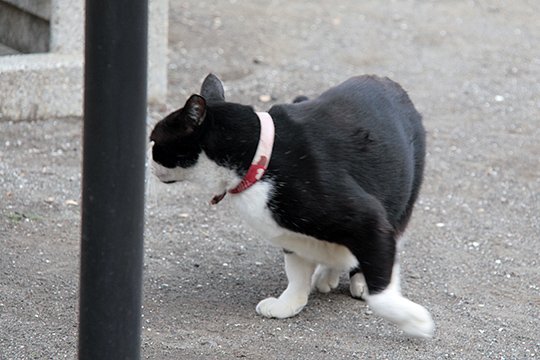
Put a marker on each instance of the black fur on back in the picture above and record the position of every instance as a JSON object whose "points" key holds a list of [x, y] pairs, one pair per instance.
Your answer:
{"points": [[362, 140]]}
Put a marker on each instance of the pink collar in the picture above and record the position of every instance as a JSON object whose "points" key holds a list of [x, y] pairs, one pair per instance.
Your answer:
{"points": [[260, 161]]}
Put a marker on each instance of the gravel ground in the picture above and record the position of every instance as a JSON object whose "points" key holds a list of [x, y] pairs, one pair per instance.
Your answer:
{"points": [[472, 258]]}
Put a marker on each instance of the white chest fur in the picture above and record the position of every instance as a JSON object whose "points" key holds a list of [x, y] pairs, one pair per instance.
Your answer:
{"points": [[252, 207]]}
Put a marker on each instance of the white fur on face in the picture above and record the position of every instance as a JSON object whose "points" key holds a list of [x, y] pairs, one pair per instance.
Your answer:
{"points": [[216, 179], [205, 172], [166, 174]]}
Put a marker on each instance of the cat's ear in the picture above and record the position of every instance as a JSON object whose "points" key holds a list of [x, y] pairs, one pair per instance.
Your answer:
{"points": [[195, 110], [212, 88]]}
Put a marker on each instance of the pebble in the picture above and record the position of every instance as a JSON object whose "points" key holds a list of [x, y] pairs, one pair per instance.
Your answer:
{"points": [[265, 98]]}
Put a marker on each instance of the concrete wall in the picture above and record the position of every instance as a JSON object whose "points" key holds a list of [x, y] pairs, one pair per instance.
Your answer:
{"points": [[25, 25], [49, 85]]}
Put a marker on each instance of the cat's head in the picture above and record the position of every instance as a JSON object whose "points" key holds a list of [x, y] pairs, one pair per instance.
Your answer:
{"points": [[176, 138]]}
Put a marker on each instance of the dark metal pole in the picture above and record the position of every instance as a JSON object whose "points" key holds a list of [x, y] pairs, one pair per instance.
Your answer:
{"points": [[113, 179]]}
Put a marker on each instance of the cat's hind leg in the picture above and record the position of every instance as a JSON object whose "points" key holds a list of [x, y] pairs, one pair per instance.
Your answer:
{"points": [[299, 272], [380, 269], [325, 278], [358, 286], [409, 316]]}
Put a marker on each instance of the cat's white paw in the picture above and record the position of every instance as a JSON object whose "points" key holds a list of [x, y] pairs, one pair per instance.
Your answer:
{"points": [[325, 279], [277, 308], [419, 324], [358, 286]]}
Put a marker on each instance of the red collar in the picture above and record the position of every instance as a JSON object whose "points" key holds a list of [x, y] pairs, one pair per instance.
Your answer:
{"points": [[260, 161]]}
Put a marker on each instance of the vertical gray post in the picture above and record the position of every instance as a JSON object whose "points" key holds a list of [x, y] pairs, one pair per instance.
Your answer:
{"points": [[113, 179]]}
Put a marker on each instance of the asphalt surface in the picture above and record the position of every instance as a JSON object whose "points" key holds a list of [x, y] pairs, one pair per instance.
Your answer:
{"points": [[472, 257]]}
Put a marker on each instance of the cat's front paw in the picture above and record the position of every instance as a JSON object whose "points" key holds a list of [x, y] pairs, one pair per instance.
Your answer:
{"points": [[277, 308]]}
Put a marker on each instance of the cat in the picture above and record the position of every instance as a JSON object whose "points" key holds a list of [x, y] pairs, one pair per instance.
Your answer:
{"points": [[332, 181]]}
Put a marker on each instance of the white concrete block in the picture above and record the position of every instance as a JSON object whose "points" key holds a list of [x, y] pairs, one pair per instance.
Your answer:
{"points": [[51, 84], [67, 26], [158, 50], [40, 86]]}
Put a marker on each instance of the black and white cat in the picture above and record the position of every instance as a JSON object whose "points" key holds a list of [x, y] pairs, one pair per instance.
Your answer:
{"points": [[334, 187]]}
